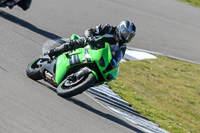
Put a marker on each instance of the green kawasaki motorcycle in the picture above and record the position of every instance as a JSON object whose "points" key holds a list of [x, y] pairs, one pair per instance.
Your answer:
{"points": [[75, 71]]}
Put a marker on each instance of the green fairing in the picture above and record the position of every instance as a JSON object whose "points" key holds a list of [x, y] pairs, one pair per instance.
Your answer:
{"points": [[62, 67], [105, 52], [114, 72], [63, 62]]}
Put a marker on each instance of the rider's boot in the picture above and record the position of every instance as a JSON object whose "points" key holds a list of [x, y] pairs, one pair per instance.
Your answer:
{"points": [[24, 4]]}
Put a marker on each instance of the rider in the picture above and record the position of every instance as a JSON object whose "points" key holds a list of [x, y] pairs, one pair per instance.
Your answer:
{"points": [[114, 35], [24, 4]]}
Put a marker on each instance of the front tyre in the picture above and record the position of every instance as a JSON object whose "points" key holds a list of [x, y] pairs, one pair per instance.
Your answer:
{"points": [[71, 87], [33, 70]]}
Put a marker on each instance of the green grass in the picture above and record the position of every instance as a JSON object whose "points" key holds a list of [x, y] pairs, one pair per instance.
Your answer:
{"points": [[192, 2], [164, 90]]}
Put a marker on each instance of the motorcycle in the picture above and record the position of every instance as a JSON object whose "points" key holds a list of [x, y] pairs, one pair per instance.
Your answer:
{"points": [[75, 71], [12, 3]]}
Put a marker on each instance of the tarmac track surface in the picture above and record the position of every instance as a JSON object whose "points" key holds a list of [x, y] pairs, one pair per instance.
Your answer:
{"points": [[168, 27]]}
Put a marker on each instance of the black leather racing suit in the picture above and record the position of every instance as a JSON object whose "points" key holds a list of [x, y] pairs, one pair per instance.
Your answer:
{"points": [[92, 36]]}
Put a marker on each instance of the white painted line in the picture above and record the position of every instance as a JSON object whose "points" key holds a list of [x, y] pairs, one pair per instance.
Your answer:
{"points": [[138, 55]]}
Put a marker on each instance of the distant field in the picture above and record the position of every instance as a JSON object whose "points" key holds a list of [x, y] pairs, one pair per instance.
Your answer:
{"points": [[192, 2], [164, 90]]}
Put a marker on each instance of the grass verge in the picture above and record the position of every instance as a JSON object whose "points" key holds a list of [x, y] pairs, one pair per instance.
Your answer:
{"points": [[192, 2], [164, 90]]}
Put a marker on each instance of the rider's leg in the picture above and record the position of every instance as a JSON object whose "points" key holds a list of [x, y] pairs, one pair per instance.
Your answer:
{"points": [[59, 50]]}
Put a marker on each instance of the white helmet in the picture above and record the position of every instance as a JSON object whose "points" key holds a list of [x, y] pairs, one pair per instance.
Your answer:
{"points": [[126, 31]]}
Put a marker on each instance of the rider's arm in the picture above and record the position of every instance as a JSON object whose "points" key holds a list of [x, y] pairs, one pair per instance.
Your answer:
{"points": [[100, 30]]}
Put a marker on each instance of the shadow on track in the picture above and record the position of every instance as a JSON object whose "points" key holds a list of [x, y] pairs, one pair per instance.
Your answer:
{"points": [[107, 116], [27, 25], [46, 85], [97, 112], [3, 69]]}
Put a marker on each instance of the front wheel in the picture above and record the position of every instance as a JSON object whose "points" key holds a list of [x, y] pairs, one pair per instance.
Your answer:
{"points": [[72, 86]]}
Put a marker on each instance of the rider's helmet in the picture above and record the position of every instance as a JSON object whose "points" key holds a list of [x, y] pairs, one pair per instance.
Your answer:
{"points": [[126, 31]]}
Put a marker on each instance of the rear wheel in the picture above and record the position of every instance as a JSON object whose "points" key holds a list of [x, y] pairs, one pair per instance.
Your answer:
{"points": [[76, 83], [33, 70]]}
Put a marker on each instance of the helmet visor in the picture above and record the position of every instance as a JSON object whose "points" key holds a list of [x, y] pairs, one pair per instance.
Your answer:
{"points": [[126, 34]]}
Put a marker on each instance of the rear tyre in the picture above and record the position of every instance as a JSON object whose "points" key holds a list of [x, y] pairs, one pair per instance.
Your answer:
{"points": [[70, 87], [33, 70]]}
